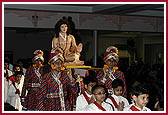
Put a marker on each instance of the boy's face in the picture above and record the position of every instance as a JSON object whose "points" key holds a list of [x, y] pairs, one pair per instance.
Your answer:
{"points": [[89, 86], [118, 91], [58, 64], [18, 78], [100, 94], [17, 69], [6, 65], [38, 62], [141, 100], [111, 63]]}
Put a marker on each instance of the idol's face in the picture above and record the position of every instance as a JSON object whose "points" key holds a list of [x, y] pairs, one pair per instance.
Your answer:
{"points": [[63, 28]]}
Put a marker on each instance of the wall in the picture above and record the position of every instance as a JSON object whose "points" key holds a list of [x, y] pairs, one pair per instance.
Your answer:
{"points": [[23, 44], [18, 18]]}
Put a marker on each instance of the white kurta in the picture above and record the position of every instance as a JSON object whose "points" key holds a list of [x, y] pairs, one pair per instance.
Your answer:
{"points": [[129, 106], [81, 102], [12, 98], [93, 107], [24, 70], [118, 99], [6, 83], [21, 81], [10, 67]]}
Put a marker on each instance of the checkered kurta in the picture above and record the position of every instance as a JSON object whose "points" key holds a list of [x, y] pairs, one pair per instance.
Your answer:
{"points": [[31, 98], [108, 82], [49, 86], [73, 96]]}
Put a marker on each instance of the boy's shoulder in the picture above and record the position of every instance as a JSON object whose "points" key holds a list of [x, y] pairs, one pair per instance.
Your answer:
{"points": [[90, 107], [123, 98], [80, 96], [128, 108], [106, 104], [146, 109], [132, 107]]}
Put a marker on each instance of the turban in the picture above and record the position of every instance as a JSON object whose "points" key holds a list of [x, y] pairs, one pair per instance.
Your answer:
{"points": [[38, 54], [55, 55], [111, 53]]}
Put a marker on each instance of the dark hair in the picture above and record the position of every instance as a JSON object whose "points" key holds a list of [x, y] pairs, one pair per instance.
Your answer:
{"points": [[18, 73], [96, 87], [59, 23], [139, 90], [117, 82], [6, 60], [17, 65], [90, 78], [100, 86]]}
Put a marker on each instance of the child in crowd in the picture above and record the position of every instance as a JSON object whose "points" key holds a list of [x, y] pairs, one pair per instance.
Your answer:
{"points": [[32, 81], [57, 86], [86, 98], [14, 91], [7, 74], [21, 63], [99, 94], [116, 99], [110, 70], [140, 96], [12, 78]]}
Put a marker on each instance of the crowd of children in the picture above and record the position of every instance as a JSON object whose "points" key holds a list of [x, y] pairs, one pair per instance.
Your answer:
{"points": [[61, 89], [36, 91]]}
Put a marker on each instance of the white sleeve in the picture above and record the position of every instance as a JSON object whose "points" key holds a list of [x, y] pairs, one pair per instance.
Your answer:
{"points": [[110, 108], [126, 103], [11, 91], [127, 108], [79, 103], [147, 109], [108, 100], [88, 108]]}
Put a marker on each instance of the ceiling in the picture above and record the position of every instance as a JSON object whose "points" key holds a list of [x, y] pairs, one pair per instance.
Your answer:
{"points": [[147, 10]]}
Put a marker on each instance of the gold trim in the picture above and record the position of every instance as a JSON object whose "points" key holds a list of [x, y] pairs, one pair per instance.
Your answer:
{"points": [[77, 66]]}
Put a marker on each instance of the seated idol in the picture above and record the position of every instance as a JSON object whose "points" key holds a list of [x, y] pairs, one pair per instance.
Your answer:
{"points": [[62, 39]]}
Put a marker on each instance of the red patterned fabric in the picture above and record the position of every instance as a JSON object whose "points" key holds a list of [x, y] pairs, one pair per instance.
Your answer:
{"points": [[30, 101], [49, 86], [108, 82], [81, 90]]}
